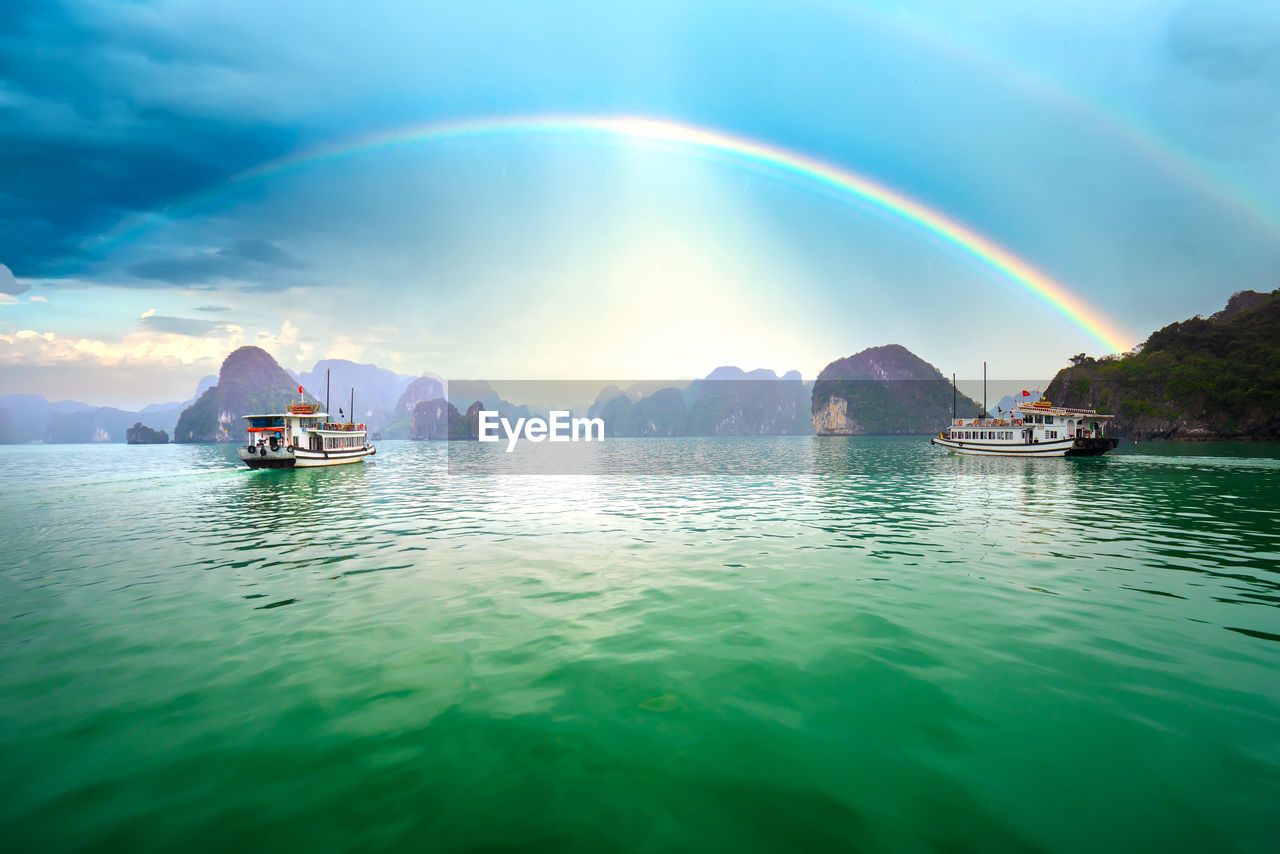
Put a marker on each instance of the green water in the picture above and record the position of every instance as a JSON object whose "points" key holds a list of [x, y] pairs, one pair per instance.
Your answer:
{"points": [[902, 650]]}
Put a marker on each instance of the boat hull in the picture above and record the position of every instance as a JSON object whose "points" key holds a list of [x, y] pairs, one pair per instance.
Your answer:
{"points": [[1084, 447], [1093, 447], [289, 458]]}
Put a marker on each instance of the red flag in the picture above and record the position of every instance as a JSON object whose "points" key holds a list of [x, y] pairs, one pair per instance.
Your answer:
{"points": [[300, 390], [1026, 393]]}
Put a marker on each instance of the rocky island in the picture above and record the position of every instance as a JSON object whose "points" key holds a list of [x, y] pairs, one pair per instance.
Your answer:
{"points": [[250, 381], [884, 391], [140, 434], [1203, 378]]}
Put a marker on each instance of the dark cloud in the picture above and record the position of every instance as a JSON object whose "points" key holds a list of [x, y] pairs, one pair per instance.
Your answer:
{"points": [[212, 308], [181, 325], [262, 263], [84, 139], [263, 252]]}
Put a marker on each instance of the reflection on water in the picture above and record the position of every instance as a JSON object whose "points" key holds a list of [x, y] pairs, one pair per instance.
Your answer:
{"points": [[834, 643]]}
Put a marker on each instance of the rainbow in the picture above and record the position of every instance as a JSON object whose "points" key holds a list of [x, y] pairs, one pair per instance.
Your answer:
{"points": [[688, 138], [1019, 73]]}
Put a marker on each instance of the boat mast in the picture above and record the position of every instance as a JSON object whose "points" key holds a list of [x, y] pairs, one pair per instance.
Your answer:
{"points": [[326, 391], [984, 390], [351, 413], [953, 397]]}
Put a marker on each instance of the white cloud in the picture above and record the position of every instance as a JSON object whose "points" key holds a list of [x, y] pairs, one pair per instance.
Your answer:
{"points": [[344, 348], [148, 313], [29, 347], [37, 299], [143, 347], [285, 345], [6, 299]]}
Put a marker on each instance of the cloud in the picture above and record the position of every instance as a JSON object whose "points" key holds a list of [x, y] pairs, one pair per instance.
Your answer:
{"points": [[260, 262], [148, 313], [146, 347], [263, 252], [286, 344], [94, 109], [213, 308], [36, 299], [190, 326], [9, 285], [31, 348]]}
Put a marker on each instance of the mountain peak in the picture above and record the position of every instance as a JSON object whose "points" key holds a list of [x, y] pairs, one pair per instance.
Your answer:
{"points": [[889, 362], [249, 381], [1241, 301]]}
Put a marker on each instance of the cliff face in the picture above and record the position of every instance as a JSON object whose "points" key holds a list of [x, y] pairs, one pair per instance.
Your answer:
{"points": [[440, 419], [249, 382], [832, 419], [103, 424], [1199, 379], [422, 389], [883, 391]]}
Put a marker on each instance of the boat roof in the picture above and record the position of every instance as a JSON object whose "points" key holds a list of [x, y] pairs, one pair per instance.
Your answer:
{"points": [[1050, 409], [289, 415]]}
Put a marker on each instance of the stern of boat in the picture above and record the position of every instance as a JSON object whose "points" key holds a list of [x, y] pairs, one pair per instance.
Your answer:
{"points": [[1092, 446], [265, 458]]}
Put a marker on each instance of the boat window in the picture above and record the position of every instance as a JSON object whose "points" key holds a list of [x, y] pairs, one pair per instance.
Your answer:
{"points": [[1048, 419]]}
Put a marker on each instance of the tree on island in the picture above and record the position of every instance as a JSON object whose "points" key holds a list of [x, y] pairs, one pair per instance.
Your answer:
{"points": [[140, 434]]}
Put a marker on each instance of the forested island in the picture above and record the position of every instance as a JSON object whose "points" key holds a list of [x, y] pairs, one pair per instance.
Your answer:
{"points": [[1203, 378], [140, 434]]}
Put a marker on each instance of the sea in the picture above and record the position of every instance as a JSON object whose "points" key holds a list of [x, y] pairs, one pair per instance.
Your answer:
{"points": [[873, 646]]}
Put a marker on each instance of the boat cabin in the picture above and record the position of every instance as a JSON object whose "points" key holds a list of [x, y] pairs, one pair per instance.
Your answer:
{"points": [[1031, 424], [304, 426]]}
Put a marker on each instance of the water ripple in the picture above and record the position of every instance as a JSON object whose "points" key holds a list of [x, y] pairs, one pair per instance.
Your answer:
{"points": [[884, 648]]}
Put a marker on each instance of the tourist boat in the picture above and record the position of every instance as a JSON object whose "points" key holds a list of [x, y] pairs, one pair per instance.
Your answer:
{"points": [[1037, 429], [302, 436]]}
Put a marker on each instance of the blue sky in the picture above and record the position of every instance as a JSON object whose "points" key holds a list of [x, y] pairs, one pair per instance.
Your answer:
{"points": [[1130, 150]]}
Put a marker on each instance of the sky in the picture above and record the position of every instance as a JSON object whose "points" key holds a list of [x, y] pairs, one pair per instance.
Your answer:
{"points": [[178, 179]]}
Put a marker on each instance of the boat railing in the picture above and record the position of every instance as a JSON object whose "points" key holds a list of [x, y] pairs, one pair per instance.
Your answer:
{"points": [[331, 425], [987, 422]]}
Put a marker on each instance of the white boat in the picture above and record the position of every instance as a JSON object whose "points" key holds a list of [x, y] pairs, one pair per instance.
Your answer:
{"points": [[1037, 429], [302, 436]]}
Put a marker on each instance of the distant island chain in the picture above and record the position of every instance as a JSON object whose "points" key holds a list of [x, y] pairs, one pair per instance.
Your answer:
{"points": [[1215, 377]]}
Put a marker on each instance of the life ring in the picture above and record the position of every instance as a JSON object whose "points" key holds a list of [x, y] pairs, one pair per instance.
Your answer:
{"points": [[1018, 422]]}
